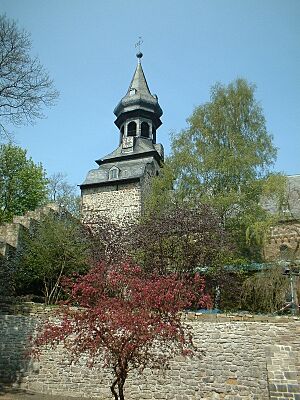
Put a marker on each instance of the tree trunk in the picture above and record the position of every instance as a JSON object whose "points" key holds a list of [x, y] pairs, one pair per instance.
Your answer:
{"points": [[121, 387], [112, 388], [120, 373]]}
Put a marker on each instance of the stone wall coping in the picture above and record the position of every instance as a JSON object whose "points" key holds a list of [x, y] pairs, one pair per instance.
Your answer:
{"points": [[37, 309], [242, 317], [25, 308]]}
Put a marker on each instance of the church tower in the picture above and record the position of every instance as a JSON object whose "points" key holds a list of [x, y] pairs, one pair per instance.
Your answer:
{"points": [[116, 189]]}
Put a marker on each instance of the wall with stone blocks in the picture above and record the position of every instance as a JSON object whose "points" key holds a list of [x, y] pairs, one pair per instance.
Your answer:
{"points": [[120, 203], [239, 357], [284, 242]]}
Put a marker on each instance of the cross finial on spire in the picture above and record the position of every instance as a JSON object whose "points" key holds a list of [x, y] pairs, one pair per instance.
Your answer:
{"points": [[138, 44], [139, 54]]}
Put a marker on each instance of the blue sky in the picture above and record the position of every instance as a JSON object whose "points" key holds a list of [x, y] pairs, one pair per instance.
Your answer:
{"points": [[88, 48]]}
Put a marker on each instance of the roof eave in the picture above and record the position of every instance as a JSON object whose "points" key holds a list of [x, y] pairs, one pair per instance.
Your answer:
{"points": [[131, 156], [109, 182]]}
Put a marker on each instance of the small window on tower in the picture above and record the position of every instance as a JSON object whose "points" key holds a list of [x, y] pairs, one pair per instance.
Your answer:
{"points": [[114, 173], [131, 129], [145, 129]]}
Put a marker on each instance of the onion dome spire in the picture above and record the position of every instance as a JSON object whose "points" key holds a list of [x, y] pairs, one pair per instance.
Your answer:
{"points": [[138, 97]]}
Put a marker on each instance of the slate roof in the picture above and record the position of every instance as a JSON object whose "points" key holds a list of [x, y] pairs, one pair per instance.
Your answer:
{"points": [[293, 195], [142, 147], [291, 209], [138, 96], [129, 170]]}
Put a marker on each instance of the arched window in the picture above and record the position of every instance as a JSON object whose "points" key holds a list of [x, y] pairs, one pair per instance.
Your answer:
{"points": [[131, 129], [145, 129], [113, 173]]}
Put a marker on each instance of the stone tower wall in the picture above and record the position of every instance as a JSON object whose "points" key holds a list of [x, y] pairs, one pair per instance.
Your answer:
{"points": [[284, 242], [120, 203]]}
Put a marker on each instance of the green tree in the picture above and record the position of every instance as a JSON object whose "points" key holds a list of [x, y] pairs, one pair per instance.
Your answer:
{"points": [[23, 185], [223, 159], [58, 246], [25, 86]]}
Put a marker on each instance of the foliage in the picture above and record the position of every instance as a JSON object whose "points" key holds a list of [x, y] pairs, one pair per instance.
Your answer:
{"points": [[180, 239], [126, 318], [25, 86], [6, 276], [265, 291], [110, 242], [223, 158], [64, 194], [22, 182], [161, 195], [57, 247], [225, 285], [226, 145]]}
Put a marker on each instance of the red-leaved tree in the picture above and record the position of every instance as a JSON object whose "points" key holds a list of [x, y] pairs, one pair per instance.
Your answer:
{"points": [[126, 318]]}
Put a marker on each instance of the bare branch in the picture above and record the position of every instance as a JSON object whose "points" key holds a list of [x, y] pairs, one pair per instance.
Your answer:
{"points": [[25, 86]]}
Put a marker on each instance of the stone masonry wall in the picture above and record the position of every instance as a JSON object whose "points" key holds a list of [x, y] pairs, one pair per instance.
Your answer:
{"points": [[284, 242], [240, 357], [120, 203]]}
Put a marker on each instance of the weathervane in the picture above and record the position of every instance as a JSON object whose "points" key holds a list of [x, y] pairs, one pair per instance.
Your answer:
{"points": [[139, 54]]}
